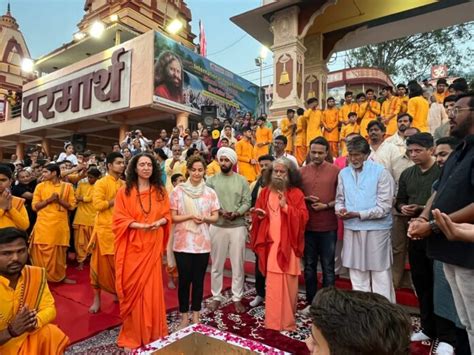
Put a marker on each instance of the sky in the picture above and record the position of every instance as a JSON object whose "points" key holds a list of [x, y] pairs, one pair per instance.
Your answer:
{"points": [[47, 24]]}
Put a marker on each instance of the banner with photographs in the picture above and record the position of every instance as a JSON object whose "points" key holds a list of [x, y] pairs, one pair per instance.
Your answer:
{"points": [[188, 81]]}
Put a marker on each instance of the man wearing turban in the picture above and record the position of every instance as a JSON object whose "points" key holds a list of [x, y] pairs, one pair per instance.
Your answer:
{"points": [[229, 233]]}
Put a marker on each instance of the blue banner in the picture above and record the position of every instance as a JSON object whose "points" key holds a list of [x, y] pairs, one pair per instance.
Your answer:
{"points": [[187, 80]]}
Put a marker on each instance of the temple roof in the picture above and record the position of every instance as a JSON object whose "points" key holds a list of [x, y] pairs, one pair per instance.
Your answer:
{"points": [[8, 20]]}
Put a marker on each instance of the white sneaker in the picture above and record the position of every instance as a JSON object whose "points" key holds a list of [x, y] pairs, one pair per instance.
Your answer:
{"points": [[256, 301], [444, 349], [305, 311], [419, 336]]}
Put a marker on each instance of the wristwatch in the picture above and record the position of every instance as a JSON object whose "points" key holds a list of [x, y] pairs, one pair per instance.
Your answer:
{"points": [[434, 227]]}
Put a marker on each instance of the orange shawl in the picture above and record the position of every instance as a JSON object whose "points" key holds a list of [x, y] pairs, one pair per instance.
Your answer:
{"points": [[293, 223]]}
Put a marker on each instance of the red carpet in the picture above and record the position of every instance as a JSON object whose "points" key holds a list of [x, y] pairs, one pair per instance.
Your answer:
{"points": [[73, 301]]}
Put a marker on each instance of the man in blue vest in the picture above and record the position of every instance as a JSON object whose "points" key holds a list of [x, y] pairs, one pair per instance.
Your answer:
{"points": [[364, 201]]}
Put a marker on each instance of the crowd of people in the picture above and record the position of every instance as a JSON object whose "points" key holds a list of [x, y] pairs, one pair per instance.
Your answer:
{"points": [[360, 188]]}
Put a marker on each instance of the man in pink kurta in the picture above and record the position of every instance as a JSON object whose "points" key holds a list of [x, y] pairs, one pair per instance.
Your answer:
{"points": [[278, 224]]}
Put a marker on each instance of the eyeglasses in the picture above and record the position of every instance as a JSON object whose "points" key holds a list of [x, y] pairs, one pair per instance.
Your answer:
{"points": [[456, 110]]}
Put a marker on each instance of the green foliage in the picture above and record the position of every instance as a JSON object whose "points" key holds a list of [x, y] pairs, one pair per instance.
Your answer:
{"points": [[412, 57]]}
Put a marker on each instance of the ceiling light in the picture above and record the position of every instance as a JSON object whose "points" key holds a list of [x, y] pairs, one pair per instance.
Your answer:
{"points": [[114, 18], [97, 29]]}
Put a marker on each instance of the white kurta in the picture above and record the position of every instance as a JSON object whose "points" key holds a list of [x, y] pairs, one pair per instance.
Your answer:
{"points": [[369, 250]]}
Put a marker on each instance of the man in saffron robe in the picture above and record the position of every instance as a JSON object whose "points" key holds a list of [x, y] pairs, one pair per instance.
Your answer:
{"points": [[102, 272], [141, 224], [368, 111], [288, 128], [348, 106], [390, 110], [301, 149], [330, 121], [85, 216], [313, 116], [52, 200], [277, 237], [27, 306], [263, 138], [246, 157], [12, 209]]}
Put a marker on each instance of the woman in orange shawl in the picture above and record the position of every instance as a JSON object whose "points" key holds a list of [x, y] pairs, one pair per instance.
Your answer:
{"points": [[141, 225]]}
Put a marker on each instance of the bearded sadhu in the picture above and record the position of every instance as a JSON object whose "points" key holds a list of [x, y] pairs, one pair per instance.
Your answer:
{"points": [[278, 223]]}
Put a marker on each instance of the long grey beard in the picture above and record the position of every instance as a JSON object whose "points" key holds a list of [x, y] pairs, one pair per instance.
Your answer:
{"points": [[278, 184]]}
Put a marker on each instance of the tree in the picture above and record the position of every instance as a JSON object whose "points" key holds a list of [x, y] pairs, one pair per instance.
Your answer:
{"points": [[412, 57]]}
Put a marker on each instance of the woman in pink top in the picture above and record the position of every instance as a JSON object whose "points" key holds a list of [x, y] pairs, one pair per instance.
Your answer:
{"points": [[193, 207]]}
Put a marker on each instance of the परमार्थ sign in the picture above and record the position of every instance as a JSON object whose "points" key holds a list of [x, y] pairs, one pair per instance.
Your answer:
{"points": [[92, 91]]}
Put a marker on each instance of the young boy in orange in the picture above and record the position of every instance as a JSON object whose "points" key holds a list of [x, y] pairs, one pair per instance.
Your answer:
{"points": [[85, 216]]}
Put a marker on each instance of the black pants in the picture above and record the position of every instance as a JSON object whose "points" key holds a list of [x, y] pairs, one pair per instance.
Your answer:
{"points": [[259, 280], [423, 279], [319, 246], [191, 271]]}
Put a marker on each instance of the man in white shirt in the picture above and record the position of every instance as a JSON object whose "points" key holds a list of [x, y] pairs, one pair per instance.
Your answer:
{"points": [[404, 121], [382, 152]]}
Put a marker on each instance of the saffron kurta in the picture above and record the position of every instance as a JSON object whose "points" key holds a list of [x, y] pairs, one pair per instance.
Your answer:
{"points": [[367, 114], [391, 108], [278, 240], [313, 119], [441, 96], [262, 135], [138, 265], [300, 140], [330, 122], [345, 131], [213, 168], [178, 168], [102, 272], [50, 237], [245, 154], [288, 132], [47, 338], [16, 216], [404, 103], [418, 108], [345, 110], [83, 220]]}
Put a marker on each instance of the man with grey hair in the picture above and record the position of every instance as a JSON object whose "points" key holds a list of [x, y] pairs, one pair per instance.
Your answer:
{"points": [[277, 237], [364, 201], [229, 233]]}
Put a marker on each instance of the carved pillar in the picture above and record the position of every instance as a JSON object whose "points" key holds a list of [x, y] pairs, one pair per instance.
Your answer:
{"points": [[46, 144], [315, 70], [20, 151], [182, 119], [123, 131], [288, 62]]}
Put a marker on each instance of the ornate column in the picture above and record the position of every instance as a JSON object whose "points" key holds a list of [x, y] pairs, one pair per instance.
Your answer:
{"points": [[123, 132], [46, 144], [315, 70], [288, 62], [20, 151], [182, 119]]}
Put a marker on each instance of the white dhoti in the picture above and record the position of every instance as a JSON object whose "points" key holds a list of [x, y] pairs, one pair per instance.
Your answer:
{"points": [[368, 256]]}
